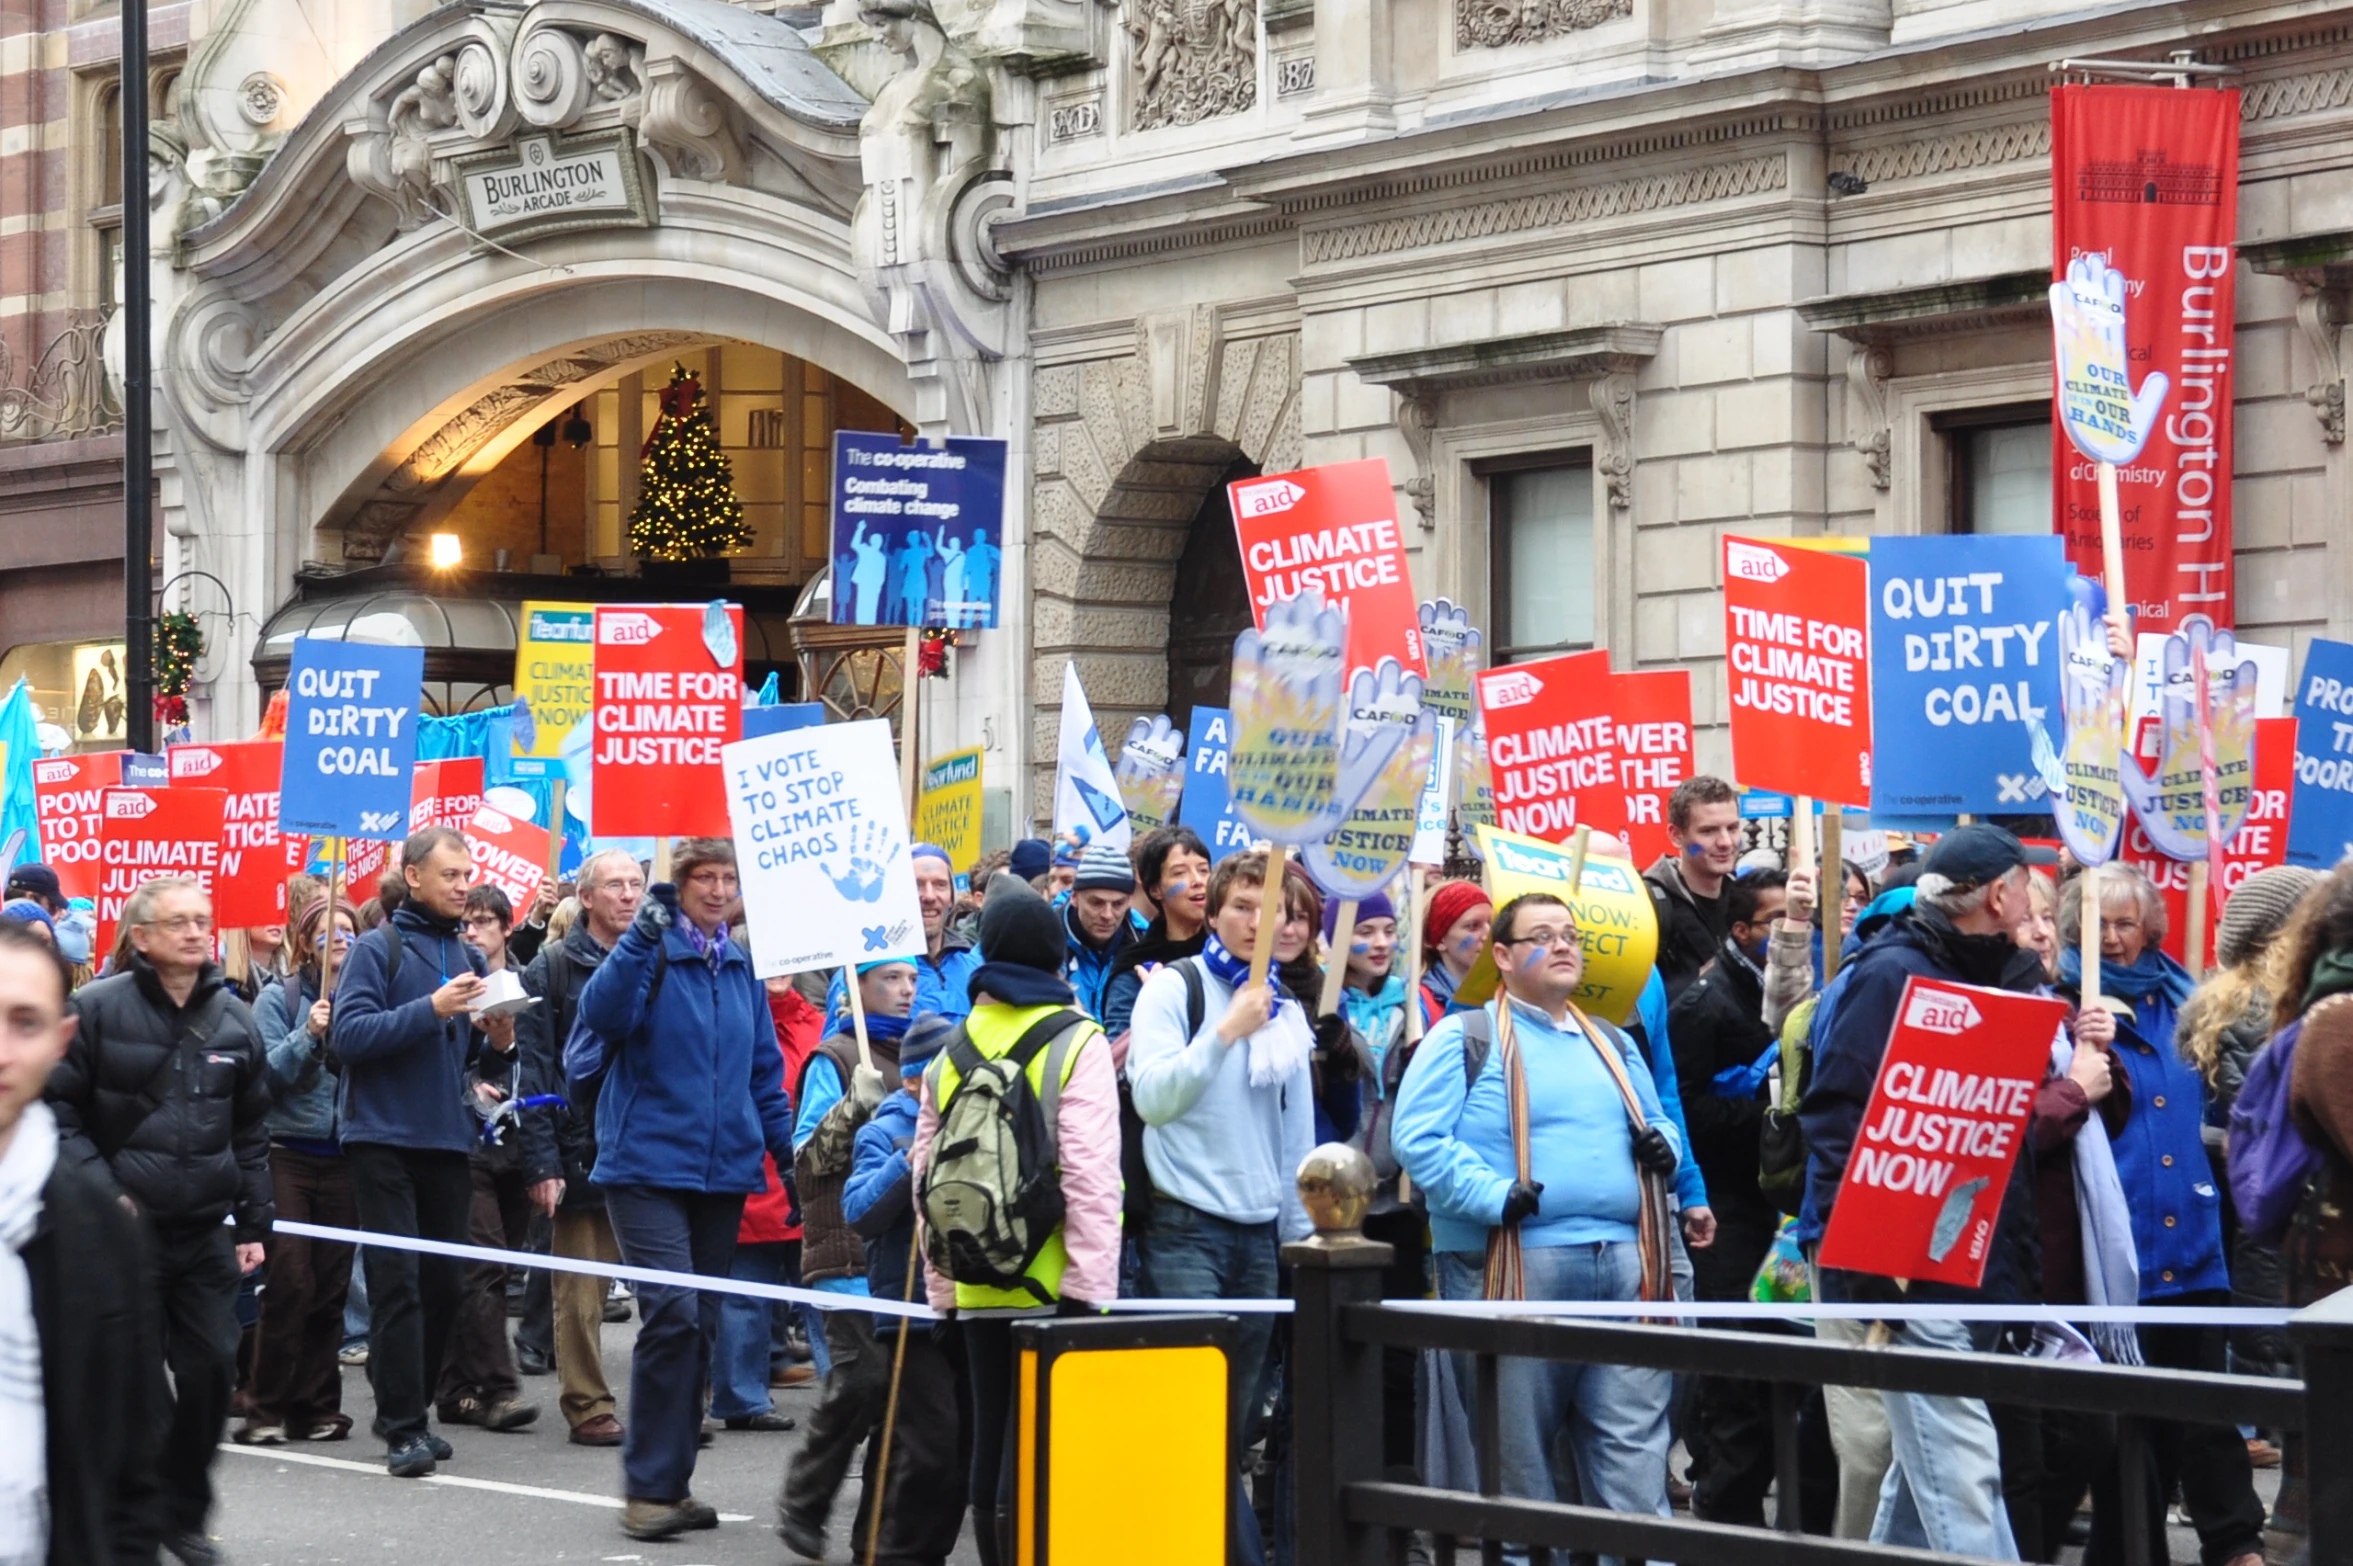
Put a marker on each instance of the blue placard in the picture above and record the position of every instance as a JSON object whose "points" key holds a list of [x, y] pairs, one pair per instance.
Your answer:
{"points": [[917, 531], [1208, 738], [2320, 816], [781, 717], [1964, 666], [351, 738]]}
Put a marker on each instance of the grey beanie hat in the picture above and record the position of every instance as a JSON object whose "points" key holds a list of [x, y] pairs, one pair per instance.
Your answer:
{"points": [[2256, 910]]}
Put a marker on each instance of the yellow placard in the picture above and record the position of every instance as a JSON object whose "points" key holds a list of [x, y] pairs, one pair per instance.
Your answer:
{"points": [[555, 670], [947, 811], [1614, 914]]}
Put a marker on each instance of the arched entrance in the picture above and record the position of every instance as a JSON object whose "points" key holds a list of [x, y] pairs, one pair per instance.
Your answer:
{"points": [[1209, 606]]}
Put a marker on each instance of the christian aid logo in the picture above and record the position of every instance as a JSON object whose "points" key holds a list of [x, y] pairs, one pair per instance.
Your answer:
{"points": [[1509, 688], [131, 805], [627, 630], [54, 771], [1941, 1011], [1267, 499], [1753, 563], [195, 761], [493, 822]]}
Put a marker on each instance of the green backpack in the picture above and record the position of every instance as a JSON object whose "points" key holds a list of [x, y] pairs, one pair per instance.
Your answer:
{"points": [[992, 1194]]}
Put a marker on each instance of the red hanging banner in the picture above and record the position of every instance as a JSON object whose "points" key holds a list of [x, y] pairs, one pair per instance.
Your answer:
{"points": [[255, 858], [2149, 178]]}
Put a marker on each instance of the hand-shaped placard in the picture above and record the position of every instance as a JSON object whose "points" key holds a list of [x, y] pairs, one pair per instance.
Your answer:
{"points": [[2106, 419], [2172, 808], [1474, 779], [1283, 772], [2091, 691], [1151, 773], [1452, 645], [1388, 738]]}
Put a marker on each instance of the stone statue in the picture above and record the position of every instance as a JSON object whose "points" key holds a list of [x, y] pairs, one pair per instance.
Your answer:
{"points": [[1193, 59], [928, 124]]}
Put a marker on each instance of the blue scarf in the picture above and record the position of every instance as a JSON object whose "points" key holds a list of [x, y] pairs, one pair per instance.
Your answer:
{"points": [[1233, 972], [2156, 986], [879, 1025], [1018, 984]]}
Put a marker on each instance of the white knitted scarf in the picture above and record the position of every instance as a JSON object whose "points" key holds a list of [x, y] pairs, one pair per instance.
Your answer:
{"points": [[24, 1430]]}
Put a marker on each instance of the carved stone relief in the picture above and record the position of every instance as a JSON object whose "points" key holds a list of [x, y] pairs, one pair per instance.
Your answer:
{"points": [[2321, 312], [1190, 60], [1613, 405], [1496, 24], [1868, 366], [1417, 417]]}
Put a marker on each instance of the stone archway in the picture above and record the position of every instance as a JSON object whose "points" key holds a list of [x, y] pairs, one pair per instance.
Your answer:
{"points": [[1126, 450]]}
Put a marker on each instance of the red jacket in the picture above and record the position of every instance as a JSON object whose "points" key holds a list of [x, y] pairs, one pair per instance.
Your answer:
{"points": [[799, 1026]]}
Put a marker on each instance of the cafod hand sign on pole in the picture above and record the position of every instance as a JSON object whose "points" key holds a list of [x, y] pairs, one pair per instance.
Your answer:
{"points": [[1366, 850], [1151, 772]]}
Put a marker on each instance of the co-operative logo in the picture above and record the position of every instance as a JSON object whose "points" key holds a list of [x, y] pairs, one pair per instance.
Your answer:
{"points": [[1753, 563], [627, 630], [1509, 688], [195, 761], [1941, 1011], [1267, 499], [129, 805]]}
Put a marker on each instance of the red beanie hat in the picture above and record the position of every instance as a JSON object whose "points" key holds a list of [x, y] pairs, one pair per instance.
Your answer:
{"points": [[1449, 903]]}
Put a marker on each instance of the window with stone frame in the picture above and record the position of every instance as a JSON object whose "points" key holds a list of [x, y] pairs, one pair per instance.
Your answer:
{"points": [[100, 136], [1542, 594], [1998, 468]]}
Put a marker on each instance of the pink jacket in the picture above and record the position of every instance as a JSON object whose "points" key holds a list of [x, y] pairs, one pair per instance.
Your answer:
{"points": [[1086, 1133]]}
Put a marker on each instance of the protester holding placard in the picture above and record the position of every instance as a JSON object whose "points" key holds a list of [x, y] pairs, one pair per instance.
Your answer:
{"points": [[690, 1098], [297, 1388], [1687, 885]]}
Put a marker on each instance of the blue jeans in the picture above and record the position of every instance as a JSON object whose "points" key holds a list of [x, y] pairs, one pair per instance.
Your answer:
{"points": [[670, 1231], [1615, 1416], [355, 1304], [747, 1327], [1190, 1254], [1944, 1489]]}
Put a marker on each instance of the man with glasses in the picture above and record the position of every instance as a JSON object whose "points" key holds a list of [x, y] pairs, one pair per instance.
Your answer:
{"points": [[1597, 1151], [164, 1098]]}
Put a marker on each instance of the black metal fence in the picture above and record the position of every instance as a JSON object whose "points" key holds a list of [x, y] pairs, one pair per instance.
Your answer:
{"points": [[1349, 1515]]}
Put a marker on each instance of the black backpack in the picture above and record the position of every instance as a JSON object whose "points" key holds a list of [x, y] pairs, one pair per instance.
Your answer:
{"points": [[1134, 1174], [992, 1193]]}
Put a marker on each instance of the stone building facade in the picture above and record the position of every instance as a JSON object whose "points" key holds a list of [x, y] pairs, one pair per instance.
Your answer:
{"points": [[1599, 279]]}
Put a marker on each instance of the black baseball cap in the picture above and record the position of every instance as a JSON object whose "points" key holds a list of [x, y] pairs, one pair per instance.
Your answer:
{"points": [[36, 880], [1969, 857]]}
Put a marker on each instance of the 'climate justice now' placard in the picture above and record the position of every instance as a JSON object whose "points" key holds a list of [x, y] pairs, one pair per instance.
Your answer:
{"points": [[1937, 1142], [1553, 745], [256, 858], [1797, 627], [1333, 529], [148, 833]]}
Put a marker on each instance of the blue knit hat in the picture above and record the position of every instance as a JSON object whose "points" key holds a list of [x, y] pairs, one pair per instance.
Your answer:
{"points": [[1032, 857], [926, 1036]]}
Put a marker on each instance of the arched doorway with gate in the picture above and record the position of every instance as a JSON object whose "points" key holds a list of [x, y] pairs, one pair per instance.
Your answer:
{"points": [[1208, 606]]}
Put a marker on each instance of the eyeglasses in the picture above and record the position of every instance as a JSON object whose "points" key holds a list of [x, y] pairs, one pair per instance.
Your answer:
{"points": [[473, 919], [2120, 927], [183, 924], [1549, 940]]}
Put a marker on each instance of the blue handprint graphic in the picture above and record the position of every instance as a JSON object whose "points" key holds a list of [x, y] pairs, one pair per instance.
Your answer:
{"points": [[871, 846]]}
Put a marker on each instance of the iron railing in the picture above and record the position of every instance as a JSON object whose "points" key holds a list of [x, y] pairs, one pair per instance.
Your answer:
{"points": [[64, 393]]}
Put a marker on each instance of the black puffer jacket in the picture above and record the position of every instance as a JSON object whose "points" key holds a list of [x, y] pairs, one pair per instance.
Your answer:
{"points": [[204, 1151], [1717, 1023], [1689, 930], [558, 1144]]}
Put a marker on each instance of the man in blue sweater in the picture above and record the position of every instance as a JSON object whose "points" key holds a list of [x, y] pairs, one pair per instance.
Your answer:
{"points": [[403, 1034], [1590, 1214]]}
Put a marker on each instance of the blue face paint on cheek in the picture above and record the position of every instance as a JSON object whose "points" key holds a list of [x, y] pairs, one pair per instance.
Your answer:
{"points": [[1359, 948]]}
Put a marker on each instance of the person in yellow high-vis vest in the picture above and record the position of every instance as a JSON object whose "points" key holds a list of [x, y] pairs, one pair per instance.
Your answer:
{"points": [[1018, 988]]}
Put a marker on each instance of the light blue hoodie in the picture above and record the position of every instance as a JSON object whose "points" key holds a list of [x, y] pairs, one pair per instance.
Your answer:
{"points": [[1457, 1145], [1211, 1140]]}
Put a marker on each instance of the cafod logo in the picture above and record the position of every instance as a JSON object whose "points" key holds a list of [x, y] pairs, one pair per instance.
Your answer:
{"points": [[1751, 563], [133, 806], [628, 630], [1509, 688], [1268, 499], [1941, 1011]]}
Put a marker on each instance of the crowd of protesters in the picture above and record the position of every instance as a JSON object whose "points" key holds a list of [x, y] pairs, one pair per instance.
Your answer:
{"points": [[656, 1104]]}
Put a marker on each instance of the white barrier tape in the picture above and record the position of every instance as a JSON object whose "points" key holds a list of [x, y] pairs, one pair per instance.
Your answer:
{"points": [[1621, 1310]]}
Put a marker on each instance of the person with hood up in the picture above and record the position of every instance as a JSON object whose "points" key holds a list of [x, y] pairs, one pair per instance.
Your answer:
{"points": [[692, 1096], [1098, 923], [1687, 885], [1019, 986]]}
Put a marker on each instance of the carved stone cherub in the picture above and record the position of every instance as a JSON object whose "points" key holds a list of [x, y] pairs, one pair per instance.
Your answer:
{"points": [[430, 102]]}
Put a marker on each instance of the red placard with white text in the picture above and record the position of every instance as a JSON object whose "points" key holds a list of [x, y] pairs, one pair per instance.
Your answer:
{"points": [[1334, 528], [2260, 842], [255, 858], [149, 832], [1653, 721], [441, 793], [1552, 746], [1797, 638], [510, 853], [1936, 1145], [66, 792], [666, 700]]}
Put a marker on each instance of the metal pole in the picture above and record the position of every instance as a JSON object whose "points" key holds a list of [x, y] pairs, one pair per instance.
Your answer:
{"points": [[138, 413]]}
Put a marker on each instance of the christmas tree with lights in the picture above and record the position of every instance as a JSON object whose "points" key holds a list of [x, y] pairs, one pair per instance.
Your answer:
{"points": [[686, 505]]}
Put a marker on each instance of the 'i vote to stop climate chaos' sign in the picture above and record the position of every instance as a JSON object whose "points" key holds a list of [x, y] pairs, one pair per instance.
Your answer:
{"points": [[1797, 624], [145, 833], [256, 858], [669, 694], [351, 738]]}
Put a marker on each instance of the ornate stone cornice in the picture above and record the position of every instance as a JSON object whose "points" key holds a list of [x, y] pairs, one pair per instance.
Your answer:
{"points": [[1931, 310], [1584, 353]]}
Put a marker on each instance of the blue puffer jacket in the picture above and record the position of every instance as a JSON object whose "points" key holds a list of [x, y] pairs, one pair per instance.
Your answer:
{"points": [[1087, 967], [404, 1069], [691, 1097], [878, 1197], [302, 1089]]}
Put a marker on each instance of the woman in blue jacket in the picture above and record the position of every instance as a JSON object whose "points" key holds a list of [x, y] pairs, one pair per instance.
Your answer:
{"points": [[2176, 1217], [690, 1101]]}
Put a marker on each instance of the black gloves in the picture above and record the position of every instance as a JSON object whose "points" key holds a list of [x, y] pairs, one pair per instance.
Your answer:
{"points": [[1654, 1152], [1331, 1033], [1526, 1196], [655, 913]]}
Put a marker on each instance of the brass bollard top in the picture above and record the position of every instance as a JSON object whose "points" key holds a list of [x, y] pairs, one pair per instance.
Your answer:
{"points": [[1336, 1185]]}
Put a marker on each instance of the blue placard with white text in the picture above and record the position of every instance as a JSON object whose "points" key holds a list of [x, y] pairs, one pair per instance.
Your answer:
{"points": [[2320, 816], [351, 738], [1964, 667], [782, 718], [1208, 737], [918, 531]]}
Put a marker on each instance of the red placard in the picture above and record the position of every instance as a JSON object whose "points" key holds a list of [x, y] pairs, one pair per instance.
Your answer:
{"points": [[1933, 1154], [255, 857], [509, 853], [2149, 177], [1797, 638], [1335, 528], [66, 791], [1654, 752], [1552, 745], [664, 705], [2261, 841], [149, 832], [445, 793]]}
